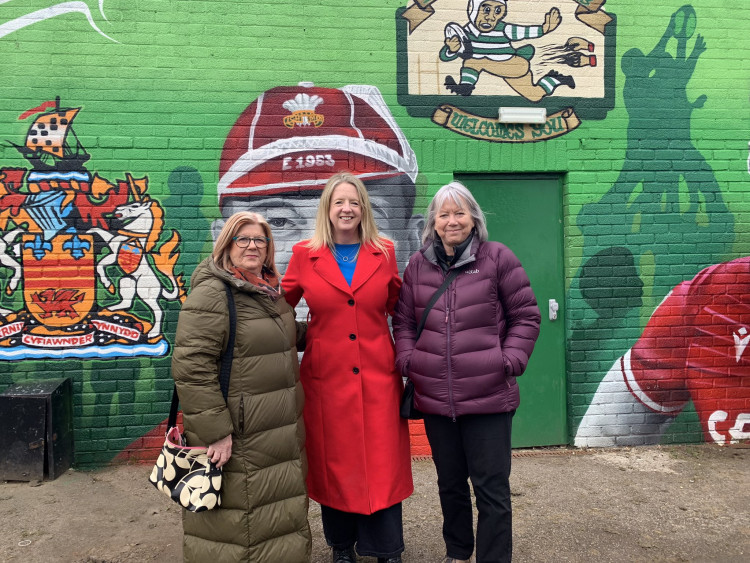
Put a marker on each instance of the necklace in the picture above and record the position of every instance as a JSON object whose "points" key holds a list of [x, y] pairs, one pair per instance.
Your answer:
{"points": [[349, 256]]}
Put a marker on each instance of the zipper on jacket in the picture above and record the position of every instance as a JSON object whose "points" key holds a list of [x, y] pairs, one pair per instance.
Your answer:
{"points": [[242, 414], [448, 353]]}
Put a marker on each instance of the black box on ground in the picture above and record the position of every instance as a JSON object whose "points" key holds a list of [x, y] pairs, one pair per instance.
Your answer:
{"points": [[36, 430]]}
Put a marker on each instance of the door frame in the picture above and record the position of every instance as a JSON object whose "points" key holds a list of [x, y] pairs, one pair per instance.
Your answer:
{"points": [[561, 435]]}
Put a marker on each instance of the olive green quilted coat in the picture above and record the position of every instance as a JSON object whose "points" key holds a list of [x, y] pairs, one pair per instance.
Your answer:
{"points": [[263, 513]]}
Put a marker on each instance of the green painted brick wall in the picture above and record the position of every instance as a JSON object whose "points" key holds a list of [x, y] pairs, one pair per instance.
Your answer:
{"points": [[160, 92]]}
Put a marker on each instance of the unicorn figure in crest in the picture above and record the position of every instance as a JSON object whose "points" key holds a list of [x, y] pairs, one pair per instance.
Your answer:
{"points": [[6, 241], [134, 245]]}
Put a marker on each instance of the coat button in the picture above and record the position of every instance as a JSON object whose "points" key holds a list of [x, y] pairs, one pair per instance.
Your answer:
{"points": [[352, 337], [351, 302], [356, 370]]}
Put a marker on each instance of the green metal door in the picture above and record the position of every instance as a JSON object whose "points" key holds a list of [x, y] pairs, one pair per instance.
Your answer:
{"points": [[524, 212]]}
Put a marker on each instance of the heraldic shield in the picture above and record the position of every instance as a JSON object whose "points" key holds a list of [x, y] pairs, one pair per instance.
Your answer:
{"points": [[59, 278]]}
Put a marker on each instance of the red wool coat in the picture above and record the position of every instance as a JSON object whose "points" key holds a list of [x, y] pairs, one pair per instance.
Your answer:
{"points": [[357, 445]]}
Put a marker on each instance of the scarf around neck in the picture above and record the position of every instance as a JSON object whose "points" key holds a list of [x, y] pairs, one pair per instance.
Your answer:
{"points": [[268, 283], [444, 260]]}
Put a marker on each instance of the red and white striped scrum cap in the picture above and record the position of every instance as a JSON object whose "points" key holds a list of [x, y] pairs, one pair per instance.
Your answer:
{"points": [[293, 138]]}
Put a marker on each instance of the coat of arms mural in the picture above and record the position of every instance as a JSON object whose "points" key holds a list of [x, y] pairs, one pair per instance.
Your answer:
{"points": [[62, 229]]}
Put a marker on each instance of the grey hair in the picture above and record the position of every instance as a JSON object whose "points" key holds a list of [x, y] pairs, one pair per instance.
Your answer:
{"points": [[461, 196]]}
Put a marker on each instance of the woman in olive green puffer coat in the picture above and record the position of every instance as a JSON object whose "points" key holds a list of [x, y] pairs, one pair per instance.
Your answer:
{"points": [[263, 513]]}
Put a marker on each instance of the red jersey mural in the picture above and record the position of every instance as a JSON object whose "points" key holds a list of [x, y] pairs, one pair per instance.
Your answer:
{"points": [[694, 348]]}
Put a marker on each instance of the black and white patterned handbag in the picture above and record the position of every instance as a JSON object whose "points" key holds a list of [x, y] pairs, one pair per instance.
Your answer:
{"points": [[185, 473]]}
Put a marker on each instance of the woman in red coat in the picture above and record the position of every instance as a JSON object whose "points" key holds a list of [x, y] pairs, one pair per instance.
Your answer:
{"points": [[357, 444]]}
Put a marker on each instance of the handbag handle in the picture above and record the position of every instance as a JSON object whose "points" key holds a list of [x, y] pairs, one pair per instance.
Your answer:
{"points": [[446, 282], [226, 361]]}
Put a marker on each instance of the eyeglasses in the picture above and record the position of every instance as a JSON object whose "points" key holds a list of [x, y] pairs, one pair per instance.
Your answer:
{"points": [[244, 242]]}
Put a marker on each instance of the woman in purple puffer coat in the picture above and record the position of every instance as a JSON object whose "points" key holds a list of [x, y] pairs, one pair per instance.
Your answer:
{"points": [[477, 339]]}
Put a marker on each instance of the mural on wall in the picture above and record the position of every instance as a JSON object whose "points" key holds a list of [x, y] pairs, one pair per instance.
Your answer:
{"points": [[64, 228], [692, 356], [15, 23], [280, 153], [694, 348], [291, 139], [647, 209], [484, 45], [550, 53]]}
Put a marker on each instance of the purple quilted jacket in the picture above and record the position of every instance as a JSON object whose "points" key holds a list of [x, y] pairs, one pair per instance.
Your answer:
{"points": [[478, 336]]}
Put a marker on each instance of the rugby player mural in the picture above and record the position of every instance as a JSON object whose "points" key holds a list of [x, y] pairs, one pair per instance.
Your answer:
{"points": [[62, 230], [548, 53], [649, 205], [693, 352], [694, 348]]}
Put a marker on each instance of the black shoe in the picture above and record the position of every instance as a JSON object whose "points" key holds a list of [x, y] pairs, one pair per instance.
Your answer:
{"points": [[396, 559], [564, 79], [344, 555], [461, 89]]}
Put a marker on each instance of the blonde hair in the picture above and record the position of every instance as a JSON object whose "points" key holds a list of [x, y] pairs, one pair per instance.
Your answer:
{"points": [[368, 230], [230, 229]]}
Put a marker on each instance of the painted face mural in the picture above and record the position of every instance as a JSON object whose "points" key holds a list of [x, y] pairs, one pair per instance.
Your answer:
{"points": [[64, 228], [489, 14], [287, 143]]}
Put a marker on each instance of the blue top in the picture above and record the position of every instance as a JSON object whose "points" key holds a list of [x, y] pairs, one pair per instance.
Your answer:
{"points": [[346, 258]]}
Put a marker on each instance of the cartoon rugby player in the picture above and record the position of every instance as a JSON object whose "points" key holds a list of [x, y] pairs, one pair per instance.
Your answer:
{"points": [[485, 45]]}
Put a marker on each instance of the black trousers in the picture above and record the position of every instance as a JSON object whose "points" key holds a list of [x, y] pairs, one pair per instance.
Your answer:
{"points": [[475, 447], [380, 534]]}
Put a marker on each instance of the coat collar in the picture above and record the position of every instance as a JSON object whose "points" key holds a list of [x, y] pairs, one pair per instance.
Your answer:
{"points": [[326, 266], [468, 255]]}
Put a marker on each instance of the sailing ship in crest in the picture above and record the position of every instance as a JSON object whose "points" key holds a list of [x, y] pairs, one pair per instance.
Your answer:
{"points": [[51, 142]]}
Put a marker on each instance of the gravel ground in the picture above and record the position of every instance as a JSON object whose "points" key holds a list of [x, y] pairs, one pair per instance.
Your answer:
{"points": [[675, 503]]}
